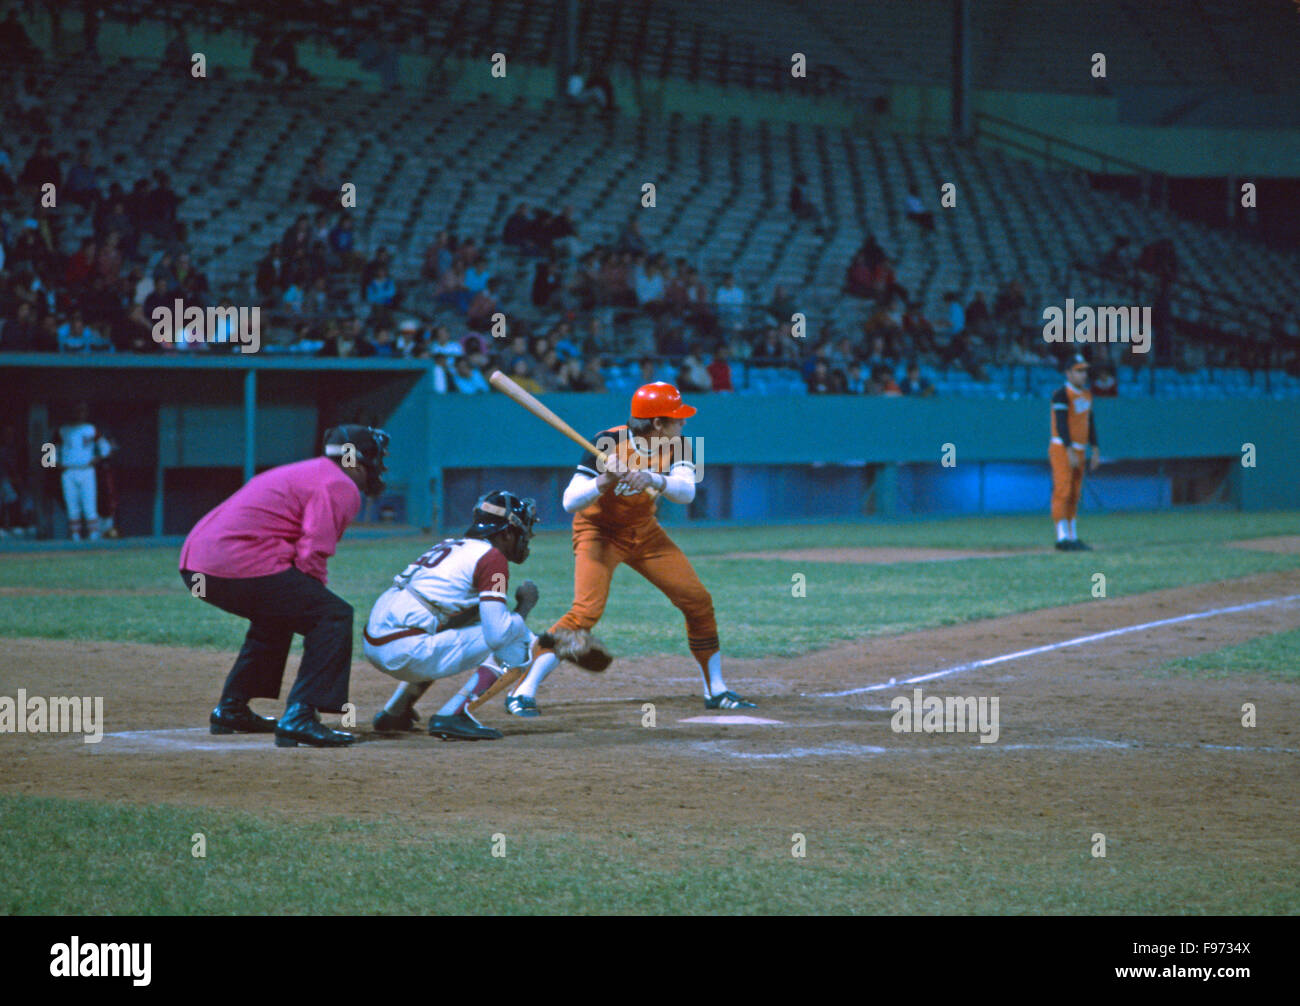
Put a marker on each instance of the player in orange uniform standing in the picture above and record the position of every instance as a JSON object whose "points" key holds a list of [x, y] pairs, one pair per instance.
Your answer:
{"points": [[1074, 431], [614, 522]]}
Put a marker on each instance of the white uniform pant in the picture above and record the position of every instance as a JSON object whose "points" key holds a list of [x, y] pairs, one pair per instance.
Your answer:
{"points": [[453, 651], [79, 495]]}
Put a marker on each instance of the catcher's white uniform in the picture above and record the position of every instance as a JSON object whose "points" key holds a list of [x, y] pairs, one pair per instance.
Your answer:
{"points": [[445, 614]]}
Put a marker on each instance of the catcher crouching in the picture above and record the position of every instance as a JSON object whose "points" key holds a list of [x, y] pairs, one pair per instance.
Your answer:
{"points": [[446, 614], [614, 506]]}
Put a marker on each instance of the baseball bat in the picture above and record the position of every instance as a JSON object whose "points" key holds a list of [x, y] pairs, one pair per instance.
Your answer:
{"points": [[507, 680], [512, 390]]}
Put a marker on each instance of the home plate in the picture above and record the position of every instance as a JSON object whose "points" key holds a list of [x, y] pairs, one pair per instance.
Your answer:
{"points": [[730, 720]]}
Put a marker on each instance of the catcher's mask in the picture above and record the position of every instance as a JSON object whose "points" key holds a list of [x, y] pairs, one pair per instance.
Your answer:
{"points": [[369, 448], [499, 511]]}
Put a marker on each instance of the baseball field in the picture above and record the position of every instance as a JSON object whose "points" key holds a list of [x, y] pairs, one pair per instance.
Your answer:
{"points": [[1150, 770]]}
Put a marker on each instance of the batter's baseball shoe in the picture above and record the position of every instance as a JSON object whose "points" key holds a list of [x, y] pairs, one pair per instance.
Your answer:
{"points": [[1079, 546], [232, 716], [396, 723], [1065, 545], [521, 705], [728, 700], [299, 725], [461, 727]]}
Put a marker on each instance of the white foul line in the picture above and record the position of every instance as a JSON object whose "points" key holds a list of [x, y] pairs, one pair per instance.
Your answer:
{"points": [[1077, 641]]}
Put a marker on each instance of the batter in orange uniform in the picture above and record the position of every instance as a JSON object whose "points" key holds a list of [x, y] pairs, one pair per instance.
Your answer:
{"points": [[1074, 430], [614, 522]]}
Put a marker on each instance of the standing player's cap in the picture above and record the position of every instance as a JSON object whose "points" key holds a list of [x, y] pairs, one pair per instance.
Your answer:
{"points": [[659, 401]]}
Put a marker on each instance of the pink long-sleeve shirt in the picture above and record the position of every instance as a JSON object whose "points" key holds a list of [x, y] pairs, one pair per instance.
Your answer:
{"points": [[293, 515]]}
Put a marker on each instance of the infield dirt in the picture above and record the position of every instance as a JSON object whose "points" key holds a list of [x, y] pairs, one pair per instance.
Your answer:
{"points": [[1089, 739]]}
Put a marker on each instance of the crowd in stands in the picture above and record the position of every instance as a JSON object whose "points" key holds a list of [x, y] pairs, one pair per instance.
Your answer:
{"points": [[589, 304]]}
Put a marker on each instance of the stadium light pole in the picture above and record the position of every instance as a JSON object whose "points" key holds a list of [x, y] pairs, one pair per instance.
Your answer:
{"points": [[961, 70]]}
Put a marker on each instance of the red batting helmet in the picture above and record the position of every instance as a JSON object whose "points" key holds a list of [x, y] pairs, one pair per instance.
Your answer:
{"points": [[659, 401]]}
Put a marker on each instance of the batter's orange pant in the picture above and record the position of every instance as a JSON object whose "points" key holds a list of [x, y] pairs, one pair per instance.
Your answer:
{"points": [[1067, 482], [652, 554]]}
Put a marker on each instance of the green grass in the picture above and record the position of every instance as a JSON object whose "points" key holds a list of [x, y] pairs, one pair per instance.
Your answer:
{"points": [[72, 857], [1276, 657], [757, 610]]}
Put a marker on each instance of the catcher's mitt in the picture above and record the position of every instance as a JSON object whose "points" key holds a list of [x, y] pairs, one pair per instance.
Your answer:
{"points": [[578, 646]]}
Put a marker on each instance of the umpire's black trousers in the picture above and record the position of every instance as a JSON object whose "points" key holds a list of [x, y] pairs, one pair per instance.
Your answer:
{"points": [[276, 607]]}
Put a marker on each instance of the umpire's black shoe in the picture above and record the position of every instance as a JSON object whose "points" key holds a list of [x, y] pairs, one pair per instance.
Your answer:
{"points": [[232, 716], [299, 725], [462, 727]]}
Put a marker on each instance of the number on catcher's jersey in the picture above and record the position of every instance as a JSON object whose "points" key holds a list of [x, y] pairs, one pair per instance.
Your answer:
{"points": [[458, 573]]}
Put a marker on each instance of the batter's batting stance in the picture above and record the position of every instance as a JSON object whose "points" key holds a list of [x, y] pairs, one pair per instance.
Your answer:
{"points": [[614, 522], [261, 555], [446, 614]]}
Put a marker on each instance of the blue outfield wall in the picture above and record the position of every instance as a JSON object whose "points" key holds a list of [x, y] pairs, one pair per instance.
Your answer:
{"points": [[193, 429]]}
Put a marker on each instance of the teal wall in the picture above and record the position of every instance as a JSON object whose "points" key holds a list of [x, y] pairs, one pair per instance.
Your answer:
{"points": [[872, 455]]}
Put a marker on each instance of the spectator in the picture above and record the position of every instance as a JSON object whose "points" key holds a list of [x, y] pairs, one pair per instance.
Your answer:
{"points": [[522, 373], [772, 348], [854, 382], [859, 278], [650, 289], [481, 309], [81, 266], [21, 334], [559, 232], [872, 254], [882, 382], [518, 229], [477, 275], [978, 317], [15, 44], [631, 239], [693, 375], [444, 345], [161, 206], [566, 348], [720, 369], [916, 211], [799, 204], [1104, 384], [75, 336], [591, 377], [267, 282], [320, 188], [838, 383], [914, 384], [647, 368], [451, 292], [956, 315], [819, 381], [548, 285], [42, 167], [782, 307], [730, 301], [918, 331], [82, 184], [381, 291]]}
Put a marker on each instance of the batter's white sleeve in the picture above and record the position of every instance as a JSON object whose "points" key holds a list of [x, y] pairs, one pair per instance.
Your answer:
{"points": [[582, 491], [679, 483]]}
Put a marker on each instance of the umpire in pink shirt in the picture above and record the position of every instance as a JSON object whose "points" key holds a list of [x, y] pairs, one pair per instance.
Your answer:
{"points": [[262, 554]]}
